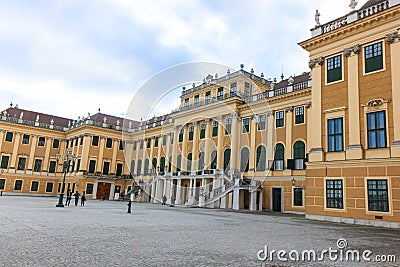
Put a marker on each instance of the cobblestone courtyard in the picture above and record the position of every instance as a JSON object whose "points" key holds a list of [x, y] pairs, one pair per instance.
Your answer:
{"points": [[36, 233]]}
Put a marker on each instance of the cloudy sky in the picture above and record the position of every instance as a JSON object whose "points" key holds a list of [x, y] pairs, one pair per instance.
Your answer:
{"points": [[71, 57]]}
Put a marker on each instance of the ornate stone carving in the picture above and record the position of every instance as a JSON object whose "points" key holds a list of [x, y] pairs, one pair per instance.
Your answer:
{"points": [[391, 37], [195, 123], [308, 105], [270, 113], [316, 61], [375, 103], [234, 115], [287, 109], [355, 49], [207, 120], [220, 118], [353, 4]]}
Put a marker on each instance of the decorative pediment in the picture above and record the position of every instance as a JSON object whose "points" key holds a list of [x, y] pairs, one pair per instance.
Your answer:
{"points": [[376, 103]]}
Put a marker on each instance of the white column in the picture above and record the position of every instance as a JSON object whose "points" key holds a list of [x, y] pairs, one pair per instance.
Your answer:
{"points": [[153, 191], [95, 190], [235, 204], [178, 191], [112, 190], [260, 205], [223, 199], [230, 198]]}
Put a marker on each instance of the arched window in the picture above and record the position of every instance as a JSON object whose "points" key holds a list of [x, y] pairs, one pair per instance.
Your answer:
{"points": [[179, 163], [146, 167], [279, 157], [154, 165], [299, 150], [162, 164], [139, 167], [244, 160], [201, 161], [227, 158], [189, 162], [170, 164], [261, 158], [132, 167], [213, 160]]}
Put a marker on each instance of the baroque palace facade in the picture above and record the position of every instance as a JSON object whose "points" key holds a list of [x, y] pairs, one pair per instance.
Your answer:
{"points": [[325, 143]]}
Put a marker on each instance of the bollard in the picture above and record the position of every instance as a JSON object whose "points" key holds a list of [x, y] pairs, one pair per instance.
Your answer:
{"points": [[1, 193]]}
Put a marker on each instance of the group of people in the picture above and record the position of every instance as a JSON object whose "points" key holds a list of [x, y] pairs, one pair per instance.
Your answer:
{"points": [[76, 196]]}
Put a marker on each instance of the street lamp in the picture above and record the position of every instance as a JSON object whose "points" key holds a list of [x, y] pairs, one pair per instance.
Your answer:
{"points": [[65, 165]]}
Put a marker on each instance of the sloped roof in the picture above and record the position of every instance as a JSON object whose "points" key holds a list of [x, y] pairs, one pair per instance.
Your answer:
{"points": [[370, 3], [297, 79], [110, 119], [29, 115]]}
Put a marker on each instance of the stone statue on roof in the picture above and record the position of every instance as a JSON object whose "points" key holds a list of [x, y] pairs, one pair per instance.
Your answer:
{"points": [[353, 4], [21, 115], [37, 118], [317, 15]]}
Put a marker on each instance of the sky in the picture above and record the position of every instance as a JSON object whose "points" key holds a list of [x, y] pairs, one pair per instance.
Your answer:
{"points": [[72, 57]]}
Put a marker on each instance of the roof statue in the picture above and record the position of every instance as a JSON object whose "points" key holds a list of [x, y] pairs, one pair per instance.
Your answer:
{"points": [[353, 4], [317, 15]]}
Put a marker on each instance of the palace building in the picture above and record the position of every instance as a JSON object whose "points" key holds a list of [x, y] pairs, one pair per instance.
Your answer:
{"points": [[325, 143]]}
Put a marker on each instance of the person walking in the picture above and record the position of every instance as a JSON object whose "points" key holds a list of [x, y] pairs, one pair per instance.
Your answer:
{"points": [[129, 206], [103, 196], [83, 198], [164, 200], [69, 197], [76, 195]]}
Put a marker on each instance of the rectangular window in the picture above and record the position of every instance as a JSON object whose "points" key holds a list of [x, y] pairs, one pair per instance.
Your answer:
{"points": [[376, 125], [38, 165], [35, 186], [119, 169], [202, 131], [95, 140], [247, 89], [106, 167], [334, 69], [233, 89], [148, 144], [196, 101], [335, 135], [76, 141], [334, 194], [134, 145], [92, 166], [52, 167], [261, 122], [71, 142], [164, 140], [215, 128], [49, 187], [141, 144], [186, 104], [41, 141], [191, 130], [21, 164], [181, 135], [9, 136], [56, 143], [373, 57], [109, 142], [220, 93], [2, 184], [298, 196], [25, 139], [4, 162], [378, 199], [246, 125], [78, 165], [81, 142], [208, 97], [299, 113], [156, 141], [172, 138], [279, 119], [228, 126], [18, 185], [89, 189], [121, 145]]}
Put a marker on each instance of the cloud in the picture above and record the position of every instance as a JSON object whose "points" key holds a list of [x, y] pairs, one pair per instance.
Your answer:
{"points": [[70, 57]]}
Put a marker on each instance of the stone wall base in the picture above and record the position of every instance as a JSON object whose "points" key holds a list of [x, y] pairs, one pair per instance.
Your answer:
{"points": [[354, 221]]}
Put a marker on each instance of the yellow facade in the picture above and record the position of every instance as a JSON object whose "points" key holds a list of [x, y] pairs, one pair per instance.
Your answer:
{"points": [[325, 144]]}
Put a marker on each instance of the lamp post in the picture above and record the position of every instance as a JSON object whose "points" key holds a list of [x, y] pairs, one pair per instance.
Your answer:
{"points": [[65, 165]]}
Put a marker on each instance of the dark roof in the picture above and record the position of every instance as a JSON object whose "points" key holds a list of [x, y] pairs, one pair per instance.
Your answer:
{"points": [[305, 76], [370, 3], [29, 115], [99, 117], [157, 119]]}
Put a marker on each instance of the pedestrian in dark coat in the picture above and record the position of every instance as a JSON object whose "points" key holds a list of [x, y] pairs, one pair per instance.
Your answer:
{"points": [[129, 206], [69, 197], [83, 198], [76, 195]]}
